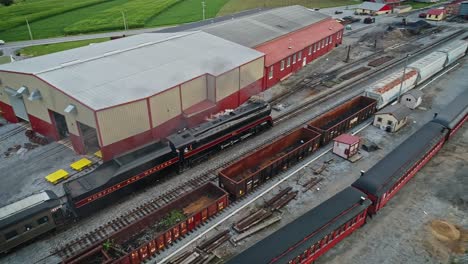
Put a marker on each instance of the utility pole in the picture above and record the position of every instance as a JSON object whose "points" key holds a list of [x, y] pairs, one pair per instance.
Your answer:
{"points": [[203, 9], [403, 78], [29, 28], [124, 20], [347, 56]]}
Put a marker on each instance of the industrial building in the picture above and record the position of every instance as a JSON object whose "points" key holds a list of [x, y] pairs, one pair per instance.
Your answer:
{"points": [[372, 8], [116, 96]]}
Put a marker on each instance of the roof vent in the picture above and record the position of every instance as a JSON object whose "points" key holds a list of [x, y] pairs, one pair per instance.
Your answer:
{"points": [[70, 109], [35, 96], [362, 199]]}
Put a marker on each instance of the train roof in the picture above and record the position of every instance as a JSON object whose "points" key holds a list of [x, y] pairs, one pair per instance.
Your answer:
{"points": [[454, 112], [27, 207], [116, 167], [383, 175], [306, 230], [191, 135]]}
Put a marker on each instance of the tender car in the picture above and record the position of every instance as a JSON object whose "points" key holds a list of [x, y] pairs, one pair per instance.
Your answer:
{"points": [[422, 15]]}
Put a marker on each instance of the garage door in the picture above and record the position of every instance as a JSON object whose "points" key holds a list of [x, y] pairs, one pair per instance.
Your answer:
{"points": [[18, 106]]}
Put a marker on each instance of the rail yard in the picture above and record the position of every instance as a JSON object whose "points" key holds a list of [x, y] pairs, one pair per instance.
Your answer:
{"points": [[257, 181]]}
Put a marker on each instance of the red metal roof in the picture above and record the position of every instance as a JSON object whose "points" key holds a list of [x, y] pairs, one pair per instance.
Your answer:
{"points": [[436, 12], [278, 49], [347, 139]]}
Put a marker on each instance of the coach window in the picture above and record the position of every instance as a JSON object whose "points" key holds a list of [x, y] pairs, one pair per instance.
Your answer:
{"points": [[299, 56], [270, 74], [282, 64], [11, 234], [294, 58], [289, 62], [43, 220]]}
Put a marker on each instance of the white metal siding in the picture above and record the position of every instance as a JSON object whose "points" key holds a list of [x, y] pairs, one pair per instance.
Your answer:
{"points": [[123, 121], [455, 50], [193, 92], [251, 72], [211, 86], [165, 106], [429, 65], [227, 84]]}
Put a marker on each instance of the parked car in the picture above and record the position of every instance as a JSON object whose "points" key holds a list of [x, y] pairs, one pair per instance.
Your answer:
{"points": [[369, 20], [351, 19], [337, 12], [2, 42], [422, 15]]}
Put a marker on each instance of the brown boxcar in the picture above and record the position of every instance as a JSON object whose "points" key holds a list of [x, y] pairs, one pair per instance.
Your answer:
{"points": [[342, 118], [244, 175], [197, 206]]}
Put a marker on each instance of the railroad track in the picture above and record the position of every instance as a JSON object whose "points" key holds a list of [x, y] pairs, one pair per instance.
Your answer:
{"points": [[80, 247], [22, 127]]}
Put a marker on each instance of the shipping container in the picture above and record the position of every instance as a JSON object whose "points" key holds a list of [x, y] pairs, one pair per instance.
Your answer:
{"points": [[157, 230], [387, 89], [429, 65], [454, 50], [342, 118], [248, 173]]}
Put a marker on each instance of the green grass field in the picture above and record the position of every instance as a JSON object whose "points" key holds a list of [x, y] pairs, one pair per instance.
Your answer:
{"points": [[417, 5], [234, 6], [4, 59], [186, 11], [51, 48]]}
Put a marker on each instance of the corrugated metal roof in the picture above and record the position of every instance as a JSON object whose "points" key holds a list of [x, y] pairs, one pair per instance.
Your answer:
{"points": [[371, 6], [254, 30], [347, 139], [399, 111], [299, 40], [292, 239], [119, 71]]}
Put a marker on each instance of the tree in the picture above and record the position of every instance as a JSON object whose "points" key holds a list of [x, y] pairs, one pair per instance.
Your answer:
{"points": [[6, 2]]}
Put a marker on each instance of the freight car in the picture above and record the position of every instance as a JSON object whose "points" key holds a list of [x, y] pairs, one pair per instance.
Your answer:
{"points": [[124, 174], [248, 173], [342, 118], [28, 218], [317, 231], [312, 234], [166, 225], [388, 88]]}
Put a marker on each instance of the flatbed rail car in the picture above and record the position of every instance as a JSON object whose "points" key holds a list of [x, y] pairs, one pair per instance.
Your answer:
{"points": [[388, 176], [28, 218], [243, 176], [342, 118], [164, 227], [312, 234], [454, 115]]}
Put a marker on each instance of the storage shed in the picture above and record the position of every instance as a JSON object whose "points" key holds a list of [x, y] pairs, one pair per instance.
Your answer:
{"points": [[392, 117], [290, 37], [436, 14], [346, 146], [373, 8], [412, 99], [118, 95]]}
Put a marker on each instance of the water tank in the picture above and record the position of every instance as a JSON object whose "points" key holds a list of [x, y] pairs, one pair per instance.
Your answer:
{"points": [[464, 8]]}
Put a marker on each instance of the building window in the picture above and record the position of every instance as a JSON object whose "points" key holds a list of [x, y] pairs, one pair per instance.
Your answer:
{"points": [[326, 41], [289, 62], [294, 58], [389, 122], [43, 220], [11, 235], [282, 64], [379, 119], [270, 74], [323, 43], [310, 50], [330, 39], [27, 227], [299, 55], [318, 45], [408, 99]]}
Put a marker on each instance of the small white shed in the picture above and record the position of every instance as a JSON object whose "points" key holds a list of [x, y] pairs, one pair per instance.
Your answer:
{"points": [[346, 146], [412, 99]]}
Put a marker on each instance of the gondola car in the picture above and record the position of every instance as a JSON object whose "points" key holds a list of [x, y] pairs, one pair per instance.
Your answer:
{"points": [[312, 234], [28, 218], [124, 174]]}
